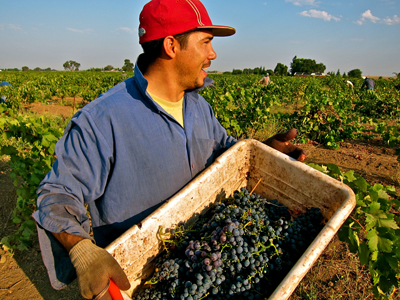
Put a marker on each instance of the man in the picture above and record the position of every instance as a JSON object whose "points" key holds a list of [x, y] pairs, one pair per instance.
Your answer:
{"points": [[369, 83], [3, 97], [134, 147], [265, 80], [349, 83]]}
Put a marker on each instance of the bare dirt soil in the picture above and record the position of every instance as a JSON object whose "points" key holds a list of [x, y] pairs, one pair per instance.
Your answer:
{"points": [[336, 275]]}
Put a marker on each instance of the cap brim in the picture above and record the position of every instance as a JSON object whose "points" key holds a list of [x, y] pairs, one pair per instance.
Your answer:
{"points": [[219, 30]]}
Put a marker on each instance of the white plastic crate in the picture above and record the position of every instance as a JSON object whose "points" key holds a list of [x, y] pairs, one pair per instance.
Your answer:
{"points": [[292, 183]]}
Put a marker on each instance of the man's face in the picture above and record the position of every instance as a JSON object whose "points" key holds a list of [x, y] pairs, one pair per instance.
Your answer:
{"points": [[194, 59]]}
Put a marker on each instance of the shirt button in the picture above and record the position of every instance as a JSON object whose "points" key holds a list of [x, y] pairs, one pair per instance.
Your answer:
{"points": [[192, 166]]}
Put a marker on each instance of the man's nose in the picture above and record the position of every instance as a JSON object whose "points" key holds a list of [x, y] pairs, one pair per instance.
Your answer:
{"points": [[212, 55]]}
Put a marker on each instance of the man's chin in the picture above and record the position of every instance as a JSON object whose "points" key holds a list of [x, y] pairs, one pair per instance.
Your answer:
{"points": [[198, 84]]}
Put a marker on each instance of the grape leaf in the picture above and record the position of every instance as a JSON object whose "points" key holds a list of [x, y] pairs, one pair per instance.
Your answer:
{"points": [[363, 253], [387, 282], [385, 245], [388, 223], [372, 240], [350, 175], [362, 184]]}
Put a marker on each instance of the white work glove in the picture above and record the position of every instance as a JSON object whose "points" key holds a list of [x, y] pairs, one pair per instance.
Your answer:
{"points": [[94, 268]]}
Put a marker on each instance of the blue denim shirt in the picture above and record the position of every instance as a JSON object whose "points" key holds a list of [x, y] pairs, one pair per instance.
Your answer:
{"points": [[123, 156]]}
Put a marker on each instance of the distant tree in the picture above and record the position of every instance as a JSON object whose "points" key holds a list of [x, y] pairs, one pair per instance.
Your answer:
{"points": [[338, 72], [37, 69], [108, 68], [281, 70], [355, 73], [25, 68], [270, 72], [306, 65], [257, 71], [95, 69], [128, 66], [227, 72], [248, 71], [71, 65], [397, 75], [47, 69], [237, 72]]}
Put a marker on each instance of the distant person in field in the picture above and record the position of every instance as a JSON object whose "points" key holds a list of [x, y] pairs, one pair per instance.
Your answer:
{"points": [[4, 84], [349, 83], [369, 84], [265, 80], [135, 146]]}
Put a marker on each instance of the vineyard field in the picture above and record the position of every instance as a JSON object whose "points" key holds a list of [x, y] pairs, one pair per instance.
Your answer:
{"points": [[351, 131]]}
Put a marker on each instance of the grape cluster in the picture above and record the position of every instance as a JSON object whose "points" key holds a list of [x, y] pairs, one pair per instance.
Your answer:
{"points": [[241, 250]]}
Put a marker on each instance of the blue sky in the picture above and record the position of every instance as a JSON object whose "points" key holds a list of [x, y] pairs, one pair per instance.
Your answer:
{"points": [[345, 35]]}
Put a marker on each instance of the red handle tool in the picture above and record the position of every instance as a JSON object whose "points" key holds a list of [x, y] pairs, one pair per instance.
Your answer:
{"points": [[114, 291]]}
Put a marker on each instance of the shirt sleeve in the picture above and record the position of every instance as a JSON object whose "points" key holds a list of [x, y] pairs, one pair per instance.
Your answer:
{"points": [[77, 177]]}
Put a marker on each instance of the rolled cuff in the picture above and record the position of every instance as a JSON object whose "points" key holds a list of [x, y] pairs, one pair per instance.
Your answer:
{"points": [[58, 217]]}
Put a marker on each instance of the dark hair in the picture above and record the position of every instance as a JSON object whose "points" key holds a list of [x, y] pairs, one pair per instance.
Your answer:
{"points": [[152, 49]]}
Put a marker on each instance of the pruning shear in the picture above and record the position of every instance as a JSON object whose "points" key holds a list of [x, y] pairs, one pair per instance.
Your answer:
{"points": [[114, 291]]}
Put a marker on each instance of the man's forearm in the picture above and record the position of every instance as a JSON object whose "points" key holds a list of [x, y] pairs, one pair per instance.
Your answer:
{"points": [[67, 240]]}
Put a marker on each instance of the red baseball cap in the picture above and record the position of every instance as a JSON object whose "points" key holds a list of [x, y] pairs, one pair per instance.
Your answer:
{"points": [[161, 18]]}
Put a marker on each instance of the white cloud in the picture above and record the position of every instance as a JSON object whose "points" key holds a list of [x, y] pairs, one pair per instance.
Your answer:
{"points": [[80, 30], [367, 15], [312, 13], [10, 26], [126, 29], [302, 2], [391, 21]]}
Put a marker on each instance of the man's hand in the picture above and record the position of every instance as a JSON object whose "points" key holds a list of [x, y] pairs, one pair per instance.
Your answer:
{"points": [[94, 268], [281, 143]]}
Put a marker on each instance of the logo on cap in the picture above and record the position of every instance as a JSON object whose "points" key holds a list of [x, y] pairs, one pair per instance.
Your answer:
{"points": [[142, 32]]}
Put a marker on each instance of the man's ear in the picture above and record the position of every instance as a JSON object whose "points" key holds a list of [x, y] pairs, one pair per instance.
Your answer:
{"points": [[170, 45]]}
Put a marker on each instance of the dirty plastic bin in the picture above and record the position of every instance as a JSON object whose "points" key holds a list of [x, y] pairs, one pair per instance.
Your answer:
{"points": [[292, 183]]}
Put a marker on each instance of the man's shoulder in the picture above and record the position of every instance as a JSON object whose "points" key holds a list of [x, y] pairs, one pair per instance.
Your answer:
{"points": [[120, 87], [125, 91]]}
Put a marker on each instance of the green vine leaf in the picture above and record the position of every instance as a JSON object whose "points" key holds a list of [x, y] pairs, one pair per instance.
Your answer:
{"points": [[389, 223], [363, 253], [362, 184]]}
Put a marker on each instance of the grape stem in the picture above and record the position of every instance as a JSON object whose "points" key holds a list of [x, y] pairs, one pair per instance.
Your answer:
{"points": [[161, 234], [263, 247], [205, 296], [255, 186], [151, 281]]}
